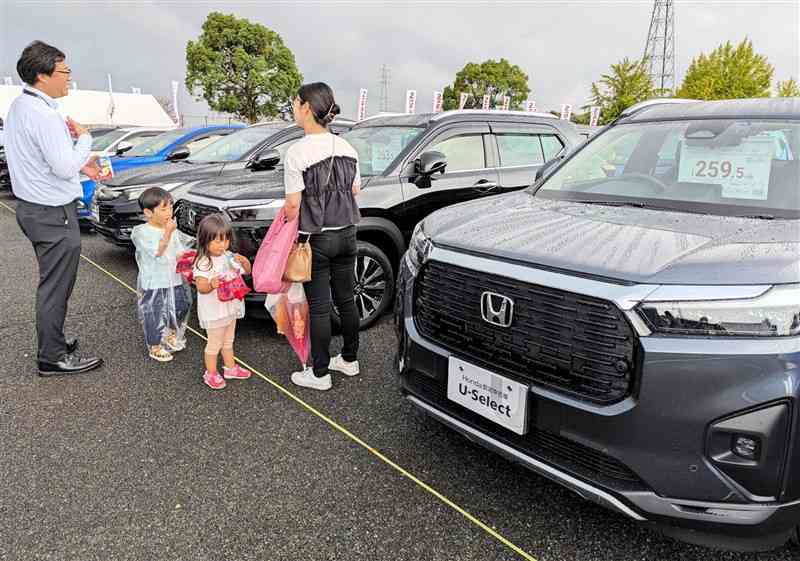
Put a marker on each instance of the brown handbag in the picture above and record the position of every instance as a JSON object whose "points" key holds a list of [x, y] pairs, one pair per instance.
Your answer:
{"points": [[298, 265]]}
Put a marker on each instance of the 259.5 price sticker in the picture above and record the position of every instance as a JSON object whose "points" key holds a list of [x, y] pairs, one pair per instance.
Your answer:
{"points": [[741, 171], [714, 168]]}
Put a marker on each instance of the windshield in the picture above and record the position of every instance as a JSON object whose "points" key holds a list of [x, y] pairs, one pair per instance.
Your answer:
{"points": [[232, 147], [723, 167], [103, 141], [378, 147], [153, 146]]}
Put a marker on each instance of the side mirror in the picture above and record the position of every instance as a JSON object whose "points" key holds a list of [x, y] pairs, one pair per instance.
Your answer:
{"points": [[180, 153], [123, 147], [267, 159], [430, 162], [547, 168]]}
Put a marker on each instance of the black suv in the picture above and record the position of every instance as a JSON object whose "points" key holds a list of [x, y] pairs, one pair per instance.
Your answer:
{"points": [[410, 165], [629, 327], [115, 210]]}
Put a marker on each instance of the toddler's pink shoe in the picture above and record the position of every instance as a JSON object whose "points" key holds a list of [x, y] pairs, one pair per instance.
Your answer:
{"points": [[214, 380], [235, 373]]}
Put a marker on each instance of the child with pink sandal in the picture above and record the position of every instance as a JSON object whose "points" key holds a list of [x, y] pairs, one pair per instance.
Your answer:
{"points": [[212, 263]]}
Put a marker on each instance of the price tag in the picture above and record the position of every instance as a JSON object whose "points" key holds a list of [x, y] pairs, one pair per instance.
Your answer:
{"points": [[742, 171]]}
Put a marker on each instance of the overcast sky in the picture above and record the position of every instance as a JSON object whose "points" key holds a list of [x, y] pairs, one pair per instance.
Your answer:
{"points": [[562, 46]]}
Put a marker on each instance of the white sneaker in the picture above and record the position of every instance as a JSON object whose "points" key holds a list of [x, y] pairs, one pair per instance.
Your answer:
{"points": [[307, 379], [341, 365]]}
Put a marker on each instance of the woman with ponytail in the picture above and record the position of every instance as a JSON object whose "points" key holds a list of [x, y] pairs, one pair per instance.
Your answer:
{"points": [[322, 180]]}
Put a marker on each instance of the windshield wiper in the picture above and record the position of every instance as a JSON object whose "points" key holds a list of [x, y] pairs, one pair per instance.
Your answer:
{"points": [[757, 216], [616, 203]]}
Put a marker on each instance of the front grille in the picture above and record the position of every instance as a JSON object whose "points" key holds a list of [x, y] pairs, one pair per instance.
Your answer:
{"points": [[104, 211], [189, 214], [555, 449], [572, 344]]}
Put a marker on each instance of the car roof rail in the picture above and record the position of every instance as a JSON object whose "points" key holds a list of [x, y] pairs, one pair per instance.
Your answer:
{"points": [[452, 112], [636, 107], [382, 114]]}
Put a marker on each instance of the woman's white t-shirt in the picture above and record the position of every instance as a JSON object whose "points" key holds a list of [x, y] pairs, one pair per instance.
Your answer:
{"points": [[211, 311]]}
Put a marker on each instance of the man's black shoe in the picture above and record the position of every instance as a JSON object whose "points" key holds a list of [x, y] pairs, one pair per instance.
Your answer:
{"points": [[72, 345], [71, 364]]}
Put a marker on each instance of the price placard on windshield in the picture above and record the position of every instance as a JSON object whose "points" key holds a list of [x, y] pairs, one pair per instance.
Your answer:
{"points": [[742, 171]]}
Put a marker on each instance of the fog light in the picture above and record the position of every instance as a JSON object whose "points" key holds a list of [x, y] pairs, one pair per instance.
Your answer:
{"points": [[746, 447]]}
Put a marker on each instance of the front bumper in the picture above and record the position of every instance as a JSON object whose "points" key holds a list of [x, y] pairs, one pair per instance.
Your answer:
{"points": [[646, 456]]}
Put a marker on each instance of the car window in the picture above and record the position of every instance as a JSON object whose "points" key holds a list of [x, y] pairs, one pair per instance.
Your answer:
{"points": [[552, 146], [102, 142], [154, 145], [199, 143], [726, 167], [463, 152], [378, 146], [284, 146], [235, 145], [520, 149], [137, 139]]}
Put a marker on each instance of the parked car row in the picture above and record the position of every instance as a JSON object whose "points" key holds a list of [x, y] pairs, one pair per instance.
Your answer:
{"points": [[619, 314], [140, 147]]}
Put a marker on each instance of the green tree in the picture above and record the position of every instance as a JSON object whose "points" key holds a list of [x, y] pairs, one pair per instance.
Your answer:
{"points": [[628, 83], [241, 68], [728, 73], [495, 78], [788, 88]]}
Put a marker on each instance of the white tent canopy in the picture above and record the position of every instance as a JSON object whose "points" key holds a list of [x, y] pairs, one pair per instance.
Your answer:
{"points": [[90, 108]]}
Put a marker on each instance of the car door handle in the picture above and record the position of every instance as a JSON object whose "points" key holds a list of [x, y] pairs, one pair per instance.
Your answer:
{"points": [[485, 185]]}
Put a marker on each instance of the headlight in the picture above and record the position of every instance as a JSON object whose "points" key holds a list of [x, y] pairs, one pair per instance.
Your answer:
{"points": [[265, 211], [775, 313], [133, 194], [418, 249]]}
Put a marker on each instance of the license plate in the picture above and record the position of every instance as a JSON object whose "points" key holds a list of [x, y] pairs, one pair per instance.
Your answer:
{"points": [[490, 395], [95, 212]]}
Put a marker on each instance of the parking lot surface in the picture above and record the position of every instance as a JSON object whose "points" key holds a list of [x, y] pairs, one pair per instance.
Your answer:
{"points": [[141, 461]]}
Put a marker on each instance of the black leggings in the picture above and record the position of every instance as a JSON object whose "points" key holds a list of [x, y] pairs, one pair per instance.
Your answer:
{"points": [[332, 272]]}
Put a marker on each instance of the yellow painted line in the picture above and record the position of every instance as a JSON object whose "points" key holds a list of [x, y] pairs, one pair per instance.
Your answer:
{"points": [[333, 424]]}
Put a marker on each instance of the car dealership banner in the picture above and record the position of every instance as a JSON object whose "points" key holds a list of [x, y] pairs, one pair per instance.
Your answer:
{"points": [[594, 116], [462, 102], [486, 101], [566, 111], [175, 101], [362, 104], [438, 102], [506, 103], [530, 107], [411, 101]]}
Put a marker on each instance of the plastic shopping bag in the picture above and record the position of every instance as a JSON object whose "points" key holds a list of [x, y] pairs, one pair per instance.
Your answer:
{"points": [[289, 310], [270, 262], [164, 312], [185, 265]]}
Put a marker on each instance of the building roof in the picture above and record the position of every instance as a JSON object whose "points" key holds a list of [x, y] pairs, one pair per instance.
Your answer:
{"points": [[90, 108]]}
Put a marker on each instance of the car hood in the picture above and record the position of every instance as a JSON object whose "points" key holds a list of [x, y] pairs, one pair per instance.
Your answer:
{"points": [[249, 186], [623, 243], [164, 172]]}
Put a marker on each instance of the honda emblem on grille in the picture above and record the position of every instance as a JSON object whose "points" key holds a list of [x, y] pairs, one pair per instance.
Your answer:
{"points": [[497, 309]]}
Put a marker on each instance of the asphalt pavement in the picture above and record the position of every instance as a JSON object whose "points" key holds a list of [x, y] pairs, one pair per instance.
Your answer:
{"points": [[140, 461]]}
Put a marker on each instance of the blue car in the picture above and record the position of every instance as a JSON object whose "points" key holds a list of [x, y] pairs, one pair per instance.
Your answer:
{"points": [[174, 145]]}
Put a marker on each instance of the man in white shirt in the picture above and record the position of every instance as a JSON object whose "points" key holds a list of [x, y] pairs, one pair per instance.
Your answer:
{"points": [[44, 163]]}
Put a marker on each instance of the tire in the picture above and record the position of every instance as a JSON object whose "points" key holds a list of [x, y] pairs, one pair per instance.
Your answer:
{"points": [[374, 299]]}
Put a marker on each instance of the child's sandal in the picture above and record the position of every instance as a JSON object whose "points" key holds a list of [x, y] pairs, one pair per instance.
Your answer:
{"points": [[160, 354]]}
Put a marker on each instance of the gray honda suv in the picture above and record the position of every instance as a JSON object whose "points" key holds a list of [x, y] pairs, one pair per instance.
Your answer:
{"points": [[629, 326]]}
